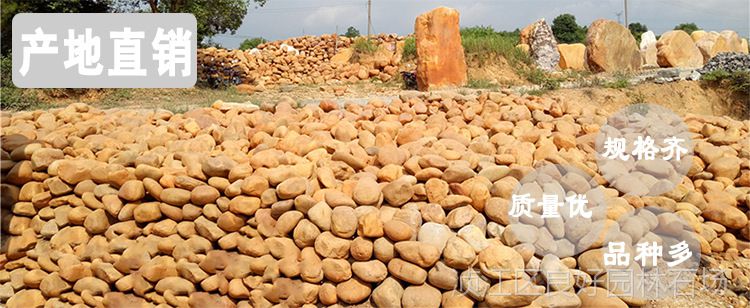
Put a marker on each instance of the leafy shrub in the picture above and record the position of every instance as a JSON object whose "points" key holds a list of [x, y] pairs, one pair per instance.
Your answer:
{"points": [[715, 76], [6, 77], [410, 48], [566, 29], [365, 45], [687, 27], [738, 81], [12, 98], [636, 29], [351, 32], [248, 44]]}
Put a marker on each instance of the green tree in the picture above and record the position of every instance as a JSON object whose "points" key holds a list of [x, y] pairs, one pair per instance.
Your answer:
{"points": [[637, 29], [567, 30], [9, 8], [351, 32], [213, 16], [248, 44], [687, 27]]}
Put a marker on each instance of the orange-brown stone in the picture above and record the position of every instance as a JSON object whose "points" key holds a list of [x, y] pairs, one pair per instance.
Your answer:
{"points": [[677, 49], [440, 56], [610, 48], [572, 56]]}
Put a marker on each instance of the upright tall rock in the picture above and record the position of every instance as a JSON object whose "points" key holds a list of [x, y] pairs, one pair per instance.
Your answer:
{"points": [[648, 50], [543, 46], [610, 48], [648, 38], [676, 49], [440, 56]]}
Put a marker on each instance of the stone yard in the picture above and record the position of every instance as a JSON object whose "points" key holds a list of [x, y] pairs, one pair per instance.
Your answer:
{"points": [[390, 203], [399, 202]]}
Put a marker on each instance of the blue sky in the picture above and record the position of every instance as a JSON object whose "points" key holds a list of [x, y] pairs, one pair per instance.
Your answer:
{"points": [[280, 19]]}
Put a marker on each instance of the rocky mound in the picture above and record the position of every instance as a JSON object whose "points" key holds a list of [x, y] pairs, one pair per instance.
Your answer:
{"points": [[390, 204], [300, 60], [727, 61]]}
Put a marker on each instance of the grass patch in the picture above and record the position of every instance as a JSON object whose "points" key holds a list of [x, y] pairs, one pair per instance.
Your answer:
{"points": [[479, 83], [621, 81], [738, 81], [12, 98], [120, 94], [541, 78], [484, 40], [364, 45], [410, 49]]}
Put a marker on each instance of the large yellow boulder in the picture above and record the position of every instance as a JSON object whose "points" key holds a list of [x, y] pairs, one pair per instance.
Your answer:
{"points": [[611, 48], [697, 35], [744, 47], [676, 49], [713, 43], [572, 56], [440, 56], [709, 45], [733, 40]]}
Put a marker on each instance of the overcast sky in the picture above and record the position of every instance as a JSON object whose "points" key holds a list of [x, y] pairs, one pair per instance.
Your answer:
{"points": [[280, 19]]}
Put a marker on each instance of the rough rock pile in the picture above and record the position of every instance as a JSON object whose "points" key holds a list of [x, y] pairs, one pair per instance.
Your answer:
{"points": [[727, 61], [300, 60], [393, 204]]}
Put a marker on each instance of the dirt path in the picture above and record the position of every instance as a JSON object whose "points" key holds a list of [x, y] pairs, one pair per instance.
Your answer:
{"points": [[682, 97]]}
